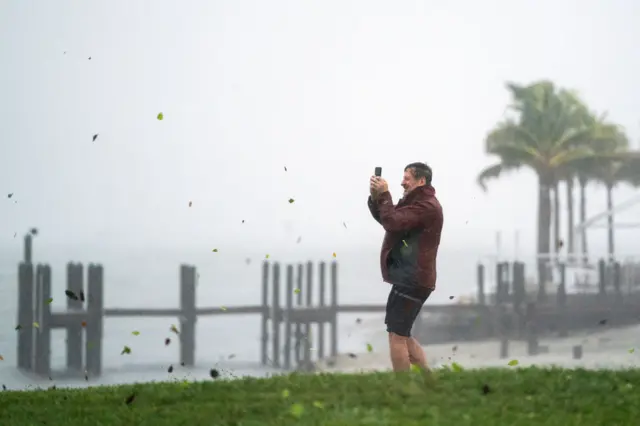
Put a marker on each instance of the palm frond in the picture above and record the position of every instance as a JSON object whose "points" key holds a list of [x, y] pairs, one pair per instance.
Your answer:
{"points": [[491, 172]]}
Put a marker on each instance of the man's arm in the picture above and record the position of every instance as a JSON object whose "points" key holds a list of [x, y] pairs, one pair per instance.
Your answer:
{"points": [[402, 218], [373, 208]]}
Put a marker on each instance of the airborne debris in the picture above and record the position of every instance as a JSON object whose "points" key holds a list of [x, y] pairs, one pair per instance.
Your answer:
{"points": [[450, 297], [167, 341], [190, 203], [82, 296], [214, 373], [603, 322], [513, 363], [34, 231], [358, 320], [344, 224], [174, 329], [71, 295], [334, 254], [135, 333], [285, 168], [126, 350], [130, 399], [10, 195], [215, 250], [95, 137], [170, 369], [291, 200], [296, 290], [160, 116], [299, 239], [369, 347], [485, 389], [352, 355]]}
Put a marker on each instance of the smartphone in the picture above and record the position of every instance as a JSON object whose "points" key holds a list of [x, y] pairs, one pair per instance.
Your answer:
{"points": [[378, 171]]}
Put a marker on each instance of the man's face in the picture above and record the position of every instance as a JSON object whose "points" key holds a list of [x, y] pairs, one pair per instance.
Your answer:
{"points": [[409, 183]]}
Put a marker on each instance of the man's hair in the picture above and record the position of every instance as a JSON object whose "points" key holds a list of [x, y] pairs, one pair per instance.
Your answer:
{"points": [[419, 170]]}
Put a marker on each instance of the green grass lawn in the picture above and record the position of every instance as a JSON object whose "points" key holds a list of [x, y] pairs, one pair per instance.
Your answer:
{"points": [[488, 397]]}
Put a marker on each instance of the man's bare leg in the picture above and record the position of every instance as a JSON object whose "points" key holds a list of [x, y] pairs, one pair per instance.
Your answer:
{"points": [[416, 354], [399, 351]]}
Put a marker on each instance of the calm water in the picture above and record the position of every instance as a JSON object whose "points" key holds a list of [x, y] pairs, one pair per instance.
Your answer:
{"points": [[150, 279]]}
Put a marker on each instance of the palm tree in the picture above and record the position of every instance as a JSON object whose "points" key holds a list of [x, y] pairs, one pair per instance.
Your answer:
{"points": [[611, 164], [546, 136]]}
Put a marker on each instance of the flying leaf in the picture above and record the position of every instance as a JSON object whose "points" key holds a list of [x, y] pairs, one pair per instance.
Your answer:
{"points": [[223, 308], [296, 291], [318, 404], [125, 350], [285, 393], [170, 369], [215, 250], [334, 254], [513, 363], [450, 297], [160, 116], [49, 300], [285, 168], [214, 373], [369, 347], [71, 295], [291, 200], [135, 333], [352, 355], [10, 195], [167, 341], [415, 368], [632, 350], [190, 203], [18, 327], [95, 137], [267, 256], [174, 329], [344, 224], [297, 410], [405, 243], [130, 399], [36, 325], [456, 367]]}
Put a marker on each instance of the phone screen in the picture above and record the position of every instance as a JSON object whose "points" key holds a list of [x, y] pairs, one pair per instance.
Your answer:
{"points": [[378, 171]]}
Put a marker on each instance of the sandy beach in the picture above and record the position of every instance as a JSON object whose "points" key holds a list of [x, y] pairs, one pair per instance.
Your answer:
{"points": [[602, 349]]}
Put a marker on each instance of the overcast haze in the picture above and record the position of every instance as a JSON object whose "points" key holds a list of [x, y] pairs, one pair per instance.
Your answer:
{"points": [[330, 89]]}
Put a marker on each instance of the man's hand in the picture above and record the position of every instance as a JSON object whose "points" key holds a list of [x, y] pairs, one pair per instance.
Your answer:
{"points": [[377, 186]]}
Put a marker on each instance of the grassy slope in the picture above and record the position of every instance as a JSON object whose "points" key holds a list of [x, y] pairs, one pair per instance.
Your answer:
{"points": [[515, 397]]}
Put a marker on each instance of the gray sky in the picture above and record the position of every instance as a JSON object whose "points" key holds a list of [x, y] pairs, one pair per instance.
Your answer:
{"points": [[330, 89]]}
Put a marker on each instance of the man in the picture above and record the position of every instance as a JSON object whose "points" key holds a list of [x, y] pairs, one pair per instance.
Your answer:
{"points": [[408, 256]]}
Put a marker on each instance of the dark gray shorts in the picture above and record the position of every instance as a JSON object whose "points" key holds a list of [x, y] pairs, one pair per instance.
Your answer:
{"points": [[403, 307]]}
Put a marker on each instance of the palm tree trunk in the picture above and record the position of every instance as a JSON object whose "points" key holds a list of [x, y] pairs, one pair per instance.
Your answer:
{"points": [[583, 218], [610, 222], [556, 221], [544, 232], [570, 223]]}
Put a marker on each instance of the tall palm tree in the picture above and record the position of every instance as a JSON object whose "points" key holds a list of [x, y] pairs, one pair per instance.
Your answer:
{"points": [[544, 136], [611, 164]]}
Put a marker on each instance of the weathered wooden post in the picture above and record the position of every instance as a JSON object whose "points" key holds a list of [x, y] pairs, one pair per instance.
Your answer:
{"points": [[25, 316], [481, 297], [308, 291], [264, 349], [499, 283], [602, 275], [276, 316], [532, 329], [321, 304], [74, 331], [287, 318], [94, 324], [562, 301], [617, 275], [28, 248], [298, 333], [188, 315], [577, 352], [334, 309], [42, 322]]}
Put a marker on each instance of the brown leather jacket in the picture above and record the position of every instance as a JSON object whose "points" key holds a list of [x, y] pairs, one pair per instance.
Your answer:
{"points": [[410, 246]]}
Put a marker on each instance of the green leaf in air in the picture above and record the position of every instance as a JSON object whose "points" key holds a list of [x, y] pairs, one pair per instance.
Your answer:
{"points": [[125, 350], [296, 410], [456, 367], [36, 325], [135, 333], [513, 363], [49, 300], [296, 291], [369, 347], [291, 200], [632, 350], [160, 116]]}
